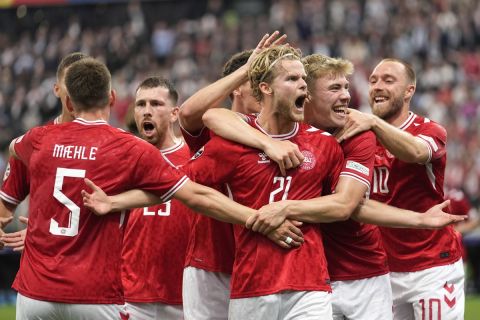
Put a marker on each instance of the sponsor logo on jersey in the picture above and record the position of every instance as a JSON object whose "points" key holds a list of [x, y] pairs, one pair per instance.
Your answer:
{"points": [[7, 172], [357, 167], [308, 161], [263, 158], [198, 153]]}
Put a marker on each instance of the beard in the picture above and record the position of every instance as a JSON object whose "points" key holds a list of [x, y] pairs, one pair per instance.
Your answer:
{"points": [[388, 110], [287, 110]]}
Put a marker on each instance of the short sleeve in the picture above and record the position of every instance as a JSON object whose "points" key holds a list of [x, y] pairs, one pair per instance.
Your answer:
{"points": [[16, 182], [435, 138]]}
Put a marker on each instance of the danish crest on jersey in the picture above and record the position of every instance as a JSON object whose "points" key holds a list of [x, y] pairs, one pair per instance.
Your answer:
{"points": [[308, 161], [198, 153], [263, 158], [7, 172]]}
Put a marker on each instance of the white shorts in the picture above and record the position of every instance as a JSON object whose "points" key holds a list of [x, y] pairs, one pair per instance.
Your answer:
{"points": [[205, 294], [288, 305], [435, 294], [31, 309], [364, 299], [153, 310]]}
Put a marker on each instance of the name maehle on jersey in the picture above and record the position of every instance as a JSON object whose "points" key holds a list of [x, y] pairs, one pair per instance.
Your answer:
{"points": [[75, 152]]}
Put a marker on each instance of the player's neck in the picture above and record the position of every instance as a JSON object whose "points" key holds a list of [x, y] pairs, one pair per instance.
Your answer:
{"points": [[168, 141], [398, 119], [94, 115], [274, 123], [64, 117]]}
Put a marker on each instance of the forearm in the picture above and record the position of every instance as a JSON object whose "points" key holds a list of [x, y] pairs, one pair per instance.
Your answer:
{"points": [[400, 143], [324, 209], [209, 97], [230, 126], [133, 199], [380, 214]]}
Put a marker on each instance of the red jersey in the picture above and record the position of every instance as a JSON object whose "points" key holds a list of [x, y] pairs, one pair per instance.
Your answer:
{"points": [[72, 255], [155, 245], [261, 267], [16, 181], [354, 250], [416, 187], [211, 246]]}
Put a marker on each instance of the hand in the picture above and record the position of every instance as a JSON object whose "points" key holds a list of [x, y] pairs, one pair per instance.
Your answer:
{"points": [[266, 41], [288, 229], [285, 153], [436, 218], [269, 217], [15, 240], [356, 122], [98, 202]]}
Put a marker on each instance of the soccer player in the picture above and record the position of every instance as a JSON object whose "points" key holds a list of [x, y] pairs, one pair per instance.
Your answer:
{"points": [[357, 261], [71, 263], [426, 268], [156, 237], [16, 180], [206, 289]]}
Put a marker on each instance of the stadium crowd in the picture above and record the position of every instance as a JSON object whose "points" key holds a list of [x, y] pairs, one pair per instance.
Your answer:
{"points": [[440, 39]]}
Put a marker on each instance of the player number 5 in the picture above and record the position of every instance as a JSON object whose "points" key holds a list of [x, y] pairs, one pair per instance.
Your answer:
{"points": [[74, 219]]}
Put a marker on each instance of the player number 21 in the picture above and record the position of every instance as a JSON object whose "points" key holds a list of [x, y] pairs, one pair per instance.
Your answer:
{"points": [[283, 185], [74, 219]]}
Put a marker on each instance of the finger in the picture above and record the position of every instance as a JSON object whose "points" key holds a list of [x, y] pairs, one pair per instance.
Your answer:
{"points": [[288, 163], [271, 39], [23, 219], [295, 160], [281, 165], [296, 223], [280, 40], [90, 184], [298, 233], [294, 236], [282, 244], [250, 221], [262, 41], [444, 204], [299, 155], [256, 225], [19, 248]]}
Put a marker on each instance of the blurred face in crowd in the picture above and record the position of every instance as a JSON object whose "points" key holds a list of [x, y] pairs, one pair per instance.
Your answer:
{"points": [[154, 114], [289, 89], [389, 89], [328, 101]]}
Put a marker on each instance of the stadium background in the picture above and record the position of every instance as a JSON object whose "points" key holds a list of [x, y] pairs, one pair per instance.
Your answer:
{"points": [[188, 42]]}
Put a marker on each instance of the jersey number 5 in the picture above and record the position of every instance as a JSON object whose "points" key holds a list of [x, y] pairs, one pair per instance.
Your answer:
{"points": [[74, 219]]}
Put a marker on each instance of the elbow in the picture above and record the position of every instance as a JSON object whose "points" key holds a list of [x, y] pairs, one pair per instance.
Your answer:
{"points": [[208, 118], [346, 210], [185, 113]]}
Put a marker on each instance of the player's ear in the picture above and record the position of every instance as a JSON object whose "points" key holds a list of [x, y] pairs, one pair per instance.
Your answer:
{"points": [[236, 92], [174, 114], [113, 98], [265, 88], [409, 91], [56, 90]]}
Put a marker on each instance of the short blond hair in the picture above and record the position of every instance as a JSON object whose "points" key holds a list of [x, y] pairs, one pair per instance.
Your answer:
{"points": [[266, 63], [319, 65]]}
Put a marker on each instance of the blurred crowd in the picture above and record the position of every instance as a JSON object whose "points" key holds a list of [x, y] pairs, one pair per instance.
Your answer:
{"points": [[188, 42]]}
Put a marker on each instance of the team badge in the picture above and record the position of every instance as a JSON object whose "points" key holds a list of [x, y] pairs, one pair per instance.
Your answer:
{"points": [[308, 161], [198, 153], [7, 172], [263, 158]]}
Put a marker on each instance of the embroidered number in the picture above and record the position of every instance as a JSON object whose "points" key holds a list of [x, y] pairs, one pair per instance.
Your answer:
{"points": [[74, 219], [160, 212], [380, 180], [282, 186]]}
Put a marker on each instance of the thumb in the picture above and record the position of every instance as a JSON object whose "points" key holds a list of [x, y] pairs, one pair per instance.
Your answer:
{"points": [[23, 219], [444, 204], [90, 184]]}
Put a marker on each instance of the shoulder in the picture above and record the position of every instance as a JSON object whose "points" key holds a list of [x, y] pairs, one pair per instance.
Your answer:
{"points": [[422, 124]]}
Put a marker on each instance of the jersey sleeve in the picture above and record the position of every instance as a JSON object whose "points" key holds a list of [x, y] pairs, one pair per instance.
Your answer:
{"points": [[16, 182], [25, 145], [336, 160], [214, 163], [195, 142], [435, 138], [154, 173], [359, 153]]}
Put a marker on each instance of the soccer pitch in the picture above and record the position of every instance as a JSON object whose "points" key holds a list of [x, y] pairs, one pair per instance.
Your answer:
{"points": [[472, 309]]}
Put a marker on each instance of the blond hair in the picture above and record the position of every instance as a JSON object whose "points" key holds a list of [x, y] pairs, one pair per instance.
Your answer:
{"points": [[318, 66], [265, 65]]}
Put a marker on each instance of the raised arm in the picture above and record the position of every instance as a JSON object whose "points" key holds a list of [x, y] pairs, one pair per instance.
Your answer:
{"points": [[378, 213], [401, 144], [213, 95], [232, 126]]}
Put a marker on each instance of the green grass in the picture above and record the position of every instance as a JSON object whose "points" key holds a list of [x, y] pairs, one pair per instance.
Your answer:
{"points": [[472, 310]]}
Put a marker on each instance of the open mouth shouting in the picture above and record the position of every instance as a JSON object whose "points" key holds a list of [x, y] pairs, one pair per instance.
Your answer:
{"points": [[300, 101], [148, 128]]}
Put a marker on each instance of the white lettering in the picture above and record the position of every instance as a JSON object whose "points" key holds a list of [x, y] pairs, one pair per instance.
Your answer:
{"points": [[93, 153], [67, 152], [75, 152]]}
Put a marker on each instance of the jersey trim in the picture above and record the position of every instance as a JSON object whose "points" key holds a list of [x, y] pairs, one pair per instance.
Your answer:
{"points": [[174, 189], [356, 177], [174, 148], [408, 122], [90, 123], [284, 136], [8, 198], [188, 132]]}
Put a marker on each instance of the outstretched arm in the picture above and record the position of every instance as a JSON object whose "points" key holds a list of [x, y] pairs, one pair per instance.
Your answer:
{"points": [[378, 213], [211, 96], [230, 125], [402, 144]]}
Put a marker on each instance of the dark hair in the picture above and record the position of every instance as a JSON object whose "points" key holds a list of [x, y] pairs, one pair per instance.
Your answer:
{"points": [[88, 83], [236, 61], [154, 82], [409, 71], [67, 61]]}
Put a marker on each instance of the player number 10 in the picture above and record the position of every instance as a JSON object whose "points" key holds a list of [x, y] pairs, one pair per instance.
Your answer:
{"points": [[380, 180]]}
